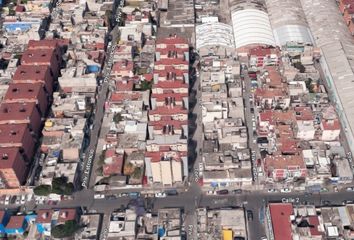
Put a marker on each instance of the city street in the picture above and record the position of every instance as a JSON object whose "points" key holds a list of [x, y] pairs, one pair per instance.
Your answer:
{"points": [[88, 173], [255, 201]]}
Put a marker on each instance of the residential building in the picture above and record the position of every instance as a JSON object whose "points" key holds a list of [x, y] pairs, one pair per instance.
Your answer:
{"points": [[13, 168]]}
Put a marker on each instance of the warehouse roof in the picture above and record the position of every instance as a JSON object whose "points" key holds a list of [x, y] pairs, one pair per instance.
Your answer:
{"points": [[214, 34], [252, 26]]}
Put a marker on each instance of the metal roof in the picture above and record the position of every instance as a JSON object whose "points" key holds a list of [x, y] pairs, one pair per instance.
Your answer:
{"points": [[214, 34], [337, 47], [292, 33], [288, 21], [252, 26]]}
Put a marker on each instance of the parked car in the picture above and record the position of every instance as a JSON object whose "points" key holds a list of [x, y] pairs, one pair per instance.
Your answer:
{"points": [[210, 192], [29, 197], [324, 190], [249, 215], [134, 194], [272, 190], [18, 200], [237, 191], [350, 189], [345, 202], [171, 192], [7, 200], [285, 190], [98, 196], [307, 194], [160, 195], [201, 167], [110, 197], [223, 192], [23, 199]]}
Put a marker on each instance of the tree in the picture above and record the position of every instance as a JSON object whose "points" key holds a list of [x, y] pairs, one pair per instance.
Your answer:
{"points": [[144, 85], [61, 186], [309, 85], [42, 190], [117, 118], [65, 230], [299, 66]]}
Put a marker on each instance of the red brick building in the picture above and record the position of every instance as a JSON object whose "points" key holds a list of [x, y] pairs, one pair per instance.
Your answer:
{"points": [[13, 166], [35, 74], [18, 113], [17, 135], [28, 92], [43, 57]]}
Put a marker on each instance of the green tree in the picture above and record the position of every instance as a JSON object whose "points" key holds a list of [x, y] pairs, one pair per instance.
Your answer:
{"points": [[299, 66], [42, 190], [61, 186], [145, 85], [117, 117], [65, 230]]}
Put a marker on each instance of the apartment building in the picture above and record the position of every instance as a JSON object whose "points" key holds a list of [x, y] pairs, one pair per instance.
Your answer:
{"points": [[166, 158]]}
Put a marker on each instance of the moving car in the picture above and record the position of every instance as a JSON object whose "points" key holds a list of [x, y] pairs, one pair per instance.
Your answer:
{"points": [[249, 215]]}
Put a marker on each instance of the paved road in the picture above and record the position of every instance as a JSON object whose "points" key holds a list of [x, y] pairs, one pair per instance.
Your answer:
{"points": [[254, 201], [88, 172]]}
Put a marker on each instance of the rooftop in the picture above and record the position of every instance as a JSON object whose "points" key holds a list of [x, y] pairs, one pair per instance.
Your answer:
{"points": [[17, 111], [280, 215], [23, 91], [33, 72], [41, 56], [15, 222]]}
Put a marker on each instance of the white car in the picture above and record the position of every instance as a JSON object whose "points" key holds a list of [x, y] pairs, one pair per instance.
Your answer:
{"points": [[272, 190], [18, 200], [98, 196], [350, 189], [285, 190], [160, 195], [7, 200], [29, 197], [23, 199], [201, 167]]}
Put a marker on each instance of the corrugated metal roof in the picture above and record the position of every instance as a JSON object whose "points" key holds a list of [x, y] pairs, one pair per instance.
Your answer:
{"points": [[292, 33], [252, 27], [214, 34], [337, 47]]}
